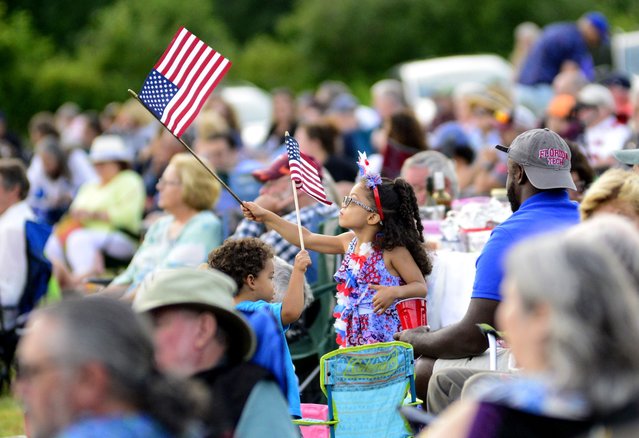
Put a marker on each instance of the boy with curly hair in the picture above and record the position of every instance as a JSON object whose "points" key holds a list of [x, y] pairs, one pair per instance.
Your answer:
{"points": [[250, 262]]}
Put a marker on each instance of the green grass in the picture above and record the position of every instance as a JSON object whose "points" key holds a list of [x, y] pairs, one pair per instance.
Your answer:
{"points": [[10, 417]]}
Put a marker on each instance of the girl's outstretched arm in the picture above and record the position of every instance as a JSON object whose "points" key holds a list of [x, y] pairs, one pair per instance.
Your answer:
{"points": [[288, 230], [401, 263]]}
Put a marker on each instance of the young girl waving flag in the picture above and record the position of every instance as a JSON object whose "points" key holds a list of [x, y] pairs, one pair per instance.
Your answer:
{"points": [[384, 255]]}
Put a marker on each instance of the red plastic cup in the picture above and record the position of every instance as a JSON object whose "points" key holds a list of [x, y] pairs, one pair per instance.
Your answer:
{"points": [[412, 312]]}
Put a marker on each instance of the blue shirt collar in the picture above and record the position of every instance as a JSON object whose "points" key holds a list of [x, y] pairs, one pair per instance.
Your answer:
{"points": [[556, 195]]}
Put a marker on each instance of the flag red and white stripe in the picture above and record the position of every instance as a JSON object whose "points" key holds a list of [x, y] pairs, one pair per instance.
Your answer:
{"points": [[305, 173], [195, 69]]}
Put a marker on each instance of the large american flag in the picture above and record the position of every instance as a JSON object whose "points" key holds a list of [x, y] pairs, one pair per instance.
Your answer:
{"points": [[304, 173], [181, 80]]}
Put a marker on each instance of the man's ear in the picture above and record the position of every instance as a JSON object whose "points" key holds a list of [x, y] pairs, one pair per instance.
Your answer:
{"points": [[91, 384], [206, 330], [520, 175]]}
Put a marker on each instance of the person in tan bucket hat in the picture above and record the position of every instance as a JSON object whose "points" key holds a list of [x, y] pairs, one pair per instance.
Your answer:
{"points": [[199, 334]]}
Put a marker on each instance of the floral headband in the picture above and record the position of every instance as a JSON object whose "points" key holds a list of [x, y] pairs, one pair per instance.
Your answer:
{"points": [[372, 181]]}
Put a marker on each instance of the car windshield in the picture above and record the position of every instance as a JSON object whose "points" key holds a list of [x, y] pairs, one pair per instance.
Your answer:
{"points": [[439, 76], [445, 84]]}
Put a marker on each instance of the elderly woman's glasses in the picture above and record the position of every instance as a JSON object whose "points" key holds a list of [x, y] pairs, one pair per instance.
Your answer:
{"points": [[167, 182], [347, 200]]}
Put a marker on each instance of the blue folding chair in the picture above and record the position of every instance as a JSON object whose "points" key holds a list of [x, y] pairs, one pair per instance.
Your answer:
{"points": [[38, 267], [13, 318], [364, 387]]}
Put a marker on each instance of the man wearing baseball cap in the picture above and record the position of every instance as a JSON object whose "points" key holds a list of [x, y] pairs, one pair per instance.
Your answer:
{"points": [[276, 195], [199, 334], [629, 157], [537, 183], [560, 47]]}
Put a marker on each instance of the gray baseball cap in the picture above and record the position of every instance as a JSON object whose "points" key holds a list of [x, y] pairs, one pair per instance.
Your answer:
{"points": [[545, 157], [627, 156]]}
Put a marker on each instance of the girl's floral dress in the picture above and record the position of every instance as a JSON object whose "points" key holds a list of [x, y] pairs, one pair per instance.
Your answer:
{"points": [[356, 323]]}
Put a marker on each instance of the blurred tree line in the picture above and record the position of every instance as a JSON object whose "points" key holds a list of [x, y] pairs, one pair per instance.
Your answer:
{"points": [[91, 52]]}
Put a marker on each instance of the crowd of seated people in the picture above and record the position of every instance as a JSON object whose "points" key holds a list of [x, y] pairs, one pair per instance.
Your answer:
{"points": [[477, 118], [128, 203]]}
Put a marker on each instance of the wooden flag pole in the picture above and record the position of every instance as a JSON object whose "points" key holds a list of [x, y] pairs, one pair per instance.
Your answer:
{"points": [[297, 208], [215, 175]]}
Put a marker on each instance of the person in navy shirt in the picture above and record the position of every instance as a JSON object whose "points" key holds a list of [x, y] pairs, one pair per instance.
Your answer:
{"points": [[538, 176], [561, 47]]}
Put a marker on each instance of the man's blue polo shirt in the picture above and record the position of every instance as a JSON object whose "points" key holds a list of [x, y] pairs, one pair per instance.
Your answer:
{"points": [[546, 211], [558, 43]]}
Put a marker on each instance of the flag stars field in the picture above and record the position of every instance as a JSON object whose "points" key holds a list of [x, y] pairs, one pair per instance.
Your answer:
{"points": [[157, 92], [181, 80]]}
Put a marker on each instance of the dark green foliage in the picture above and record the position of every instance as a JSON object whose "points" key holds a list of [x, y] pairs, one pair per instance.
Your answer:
{"points": [[90, 52], [247, 18], [60, 20], [22, 51], [350, 39]]}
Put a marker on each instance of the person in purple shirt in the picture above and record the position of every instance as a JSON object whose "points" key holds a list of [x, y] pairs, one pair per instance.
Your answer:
{"points": [[561, 47], [538, 176]]}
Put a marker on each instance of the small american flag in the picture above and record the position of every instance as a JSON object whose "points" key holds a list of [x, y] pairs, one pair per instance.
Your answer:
{"points": [[181, 80], [304, 173]]}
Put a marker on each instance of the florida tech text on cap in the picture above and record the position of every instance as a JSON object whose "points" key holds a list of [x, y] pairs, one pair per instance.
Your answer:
{"points": [[545, 157]]}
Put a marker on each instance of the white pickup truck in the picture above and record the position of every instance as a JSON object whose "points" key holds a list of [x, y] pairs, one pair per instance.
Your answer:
{"points": [[624, 49], [424, 79]]}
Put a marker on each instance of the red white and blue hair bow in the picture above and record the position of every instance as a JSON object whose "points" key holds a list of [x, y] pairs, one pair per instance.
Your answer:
{"points": [[372, 180]]}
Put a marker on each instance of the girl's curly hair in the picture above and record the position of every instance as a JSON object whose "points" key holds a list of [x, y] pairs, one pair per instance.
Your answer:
{"points": [[240, 258], [402, 224]]}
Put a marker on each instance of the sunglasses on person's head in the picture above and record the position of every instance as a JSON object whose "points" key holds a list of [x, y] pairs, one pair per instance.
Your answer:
{"points": [[584, 106], [347, 200]]}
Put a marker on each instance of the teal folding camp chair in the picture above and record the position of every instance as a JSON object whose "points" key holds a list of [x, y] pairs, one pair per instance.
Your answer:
{"points": [[364, 387], [493, 336]]}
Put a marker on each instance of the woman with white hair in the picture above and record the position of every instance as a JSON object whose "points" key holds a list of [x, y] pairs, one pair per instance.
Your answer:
{"points": [[570, 315], [424, 164]]}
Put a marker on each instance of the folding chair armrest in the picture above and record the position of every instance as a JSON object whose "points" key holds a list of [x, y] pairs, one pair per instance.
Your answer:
{"points": [[415, 403], [8, 317], [314, 422], [487, 329], [99, 281], [492, 335]]}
